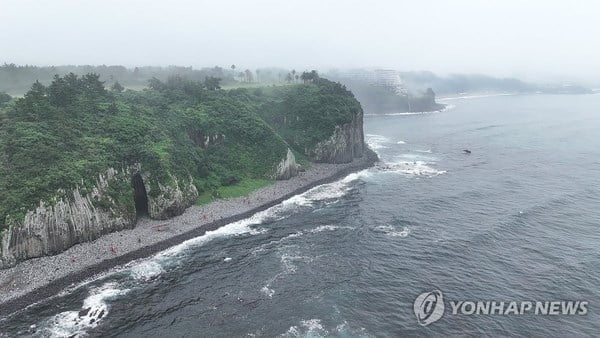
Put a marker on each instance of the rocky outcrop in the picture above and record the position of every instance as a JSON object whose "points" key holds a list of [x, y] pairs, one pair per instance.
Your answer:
{"points": [[287, 168], [54, 227], [172, 199], [81, 216], [346, 143]]}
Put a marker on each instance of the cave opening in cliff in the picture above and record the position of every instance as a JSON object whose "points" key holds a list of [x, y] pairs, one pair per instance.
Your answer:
{"points": [[139, 195]]}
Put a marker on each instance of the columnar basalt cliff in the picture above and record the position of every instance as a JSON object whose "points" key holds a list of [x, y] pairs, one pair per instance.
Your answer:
{"points": [[346, 143], [77, 217]]}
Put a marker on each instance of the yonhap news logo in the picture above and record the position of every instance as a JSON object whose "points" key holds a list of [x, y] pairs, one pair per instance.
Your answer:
{"points": [[429, 307]]}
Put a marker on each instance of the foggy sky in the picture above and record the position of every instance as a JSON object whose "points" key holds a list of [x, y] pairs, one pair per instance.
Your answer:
{"points": [[529, 39]]}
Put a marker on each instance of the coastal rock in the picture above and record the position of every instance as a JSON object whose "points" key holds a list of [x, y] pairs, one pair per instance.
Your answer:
{"points": [[54, 227], [346, 143], [172, 199], [287, 168], [79, 217]]}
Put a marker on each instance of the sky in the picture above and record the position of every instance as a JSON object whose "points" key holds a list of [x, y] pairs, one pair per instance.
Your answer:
{"points": [[529, 39]]}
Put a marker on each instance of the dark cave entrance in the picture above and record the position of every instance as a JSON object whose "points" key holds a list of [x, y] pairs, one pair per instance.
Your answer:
{"points": [[139, 195]]}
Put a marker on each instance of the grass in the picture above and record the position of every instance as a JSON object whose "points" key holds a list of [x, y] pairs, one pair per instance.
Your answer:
{"points": [[302, 160], [243, 188]]}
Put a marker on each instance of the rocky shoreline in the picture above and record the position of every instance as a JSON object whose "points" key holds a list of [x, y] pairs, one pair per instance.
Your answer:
{"points": [[36, 279]]}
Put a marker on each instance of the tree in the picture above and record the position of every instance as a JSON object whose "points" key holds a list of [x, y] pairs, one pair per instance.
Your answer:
{"points": [[294, 74], [212, 83], [156, 84], [4, 97], [288, 78], [116, 87], [37, 92], [258, 75], [249, 76], [60, 93], [309, 77], [233, 70], [92, 85]]}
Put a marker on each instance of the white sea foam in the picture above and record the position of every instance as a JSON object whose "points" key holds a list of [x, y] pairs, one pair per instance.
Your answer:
{"points": [[376, 141], [267, 291], [391, 231], [93, 311], [325, 192], [146, 270], [329, 228], [415, 168], [403, 233], [287, 260], [416, 156], [244, 226], [366, 173], [473, 96], [307, 328]]}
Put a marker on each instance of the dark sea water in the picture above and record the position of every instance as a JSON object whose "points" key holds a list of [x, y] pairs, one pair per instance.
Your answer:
{"points": [[516, 220]]}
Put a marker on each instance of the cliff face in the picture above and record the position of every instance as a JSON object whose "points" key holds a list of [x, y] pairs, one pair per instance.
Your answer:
{"points": [[52, 228], [172, 200], [82, 217], [346, 143]]}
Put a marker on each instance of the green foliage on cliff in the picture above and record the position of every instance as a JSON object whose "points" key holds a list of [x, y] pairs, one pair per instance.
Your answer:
{"points": [[61, 136], [307, 114]]}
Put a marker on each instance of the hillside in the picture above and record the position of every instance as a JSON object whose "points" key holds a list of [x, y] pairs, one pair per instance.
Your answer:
{"points": [[78, 161]]}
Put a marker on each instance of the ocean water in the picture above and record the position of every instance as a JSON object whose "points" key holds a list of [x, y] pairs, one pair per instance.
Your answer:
{"points": [[516, 220]]}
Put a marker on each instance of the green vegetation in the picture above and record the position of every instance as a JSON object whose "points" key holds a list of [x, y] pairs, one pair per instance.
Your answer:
{"points": [[307, 114], [236, 190], [61, 136], [4, 98]]}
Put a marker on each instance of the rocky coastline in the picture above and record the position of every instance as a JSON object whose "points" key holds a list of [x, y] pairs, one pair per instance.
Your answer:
{"points": [[36, 279]]}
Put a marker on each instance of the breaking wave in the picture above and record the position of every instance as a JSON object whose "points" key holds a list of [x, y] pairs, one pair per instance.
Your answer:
{"points": [[93, 311], [414, 168], [376, 142]]}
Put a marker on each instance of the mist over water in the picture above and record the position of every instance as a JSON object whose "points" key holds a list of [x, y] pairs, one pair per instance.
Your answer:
{"points": [[517, 219]]}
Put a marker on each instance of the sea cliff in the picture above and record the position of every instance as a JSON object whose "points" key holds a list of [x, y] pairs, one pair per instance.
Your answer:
{"points": [[172, 143]]}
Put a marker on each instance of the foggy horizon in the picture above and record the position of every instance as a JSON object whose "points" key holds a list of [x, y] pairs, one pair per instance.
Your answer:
{"points": [[533, 41]]}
